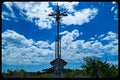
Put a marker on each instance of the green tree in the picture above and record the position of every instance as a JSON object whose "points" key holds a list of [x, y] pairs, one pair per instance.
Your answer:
{"points": [[94, 67], [91, 66], [109, 71]]}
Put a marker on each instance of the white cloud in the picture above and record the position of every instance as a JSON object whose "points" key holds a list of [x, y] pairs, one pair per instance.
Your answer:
{"points": [[74, 50], [110, 36], [92, 38], [37, 12], [16, 49], [9, 6], [42, 44], [67, 5], [4, 13], [4, 18], [68, 38], [101, 36], [114, 9], [65, 32], [16, 39], [113, 2], [116, 12], [80, 17]]}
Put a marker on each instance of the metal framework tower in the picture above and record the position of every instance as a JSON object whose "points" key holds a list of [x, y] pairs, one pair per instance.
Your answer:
{"points": [[58, 63]]}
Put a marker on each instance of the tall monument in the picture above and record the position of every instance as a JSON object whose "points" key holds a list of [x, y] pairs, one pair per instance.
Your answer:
{"points": [[58, 63]]}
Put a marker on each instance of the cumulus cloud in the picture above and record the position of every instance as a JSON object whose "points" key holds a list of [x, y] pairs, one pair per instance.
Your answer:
{"points": [[68, 38], [110, 36], [16, 49], [74, 49], [16, 39], [37, 13], [67, 5], [80, 17]]}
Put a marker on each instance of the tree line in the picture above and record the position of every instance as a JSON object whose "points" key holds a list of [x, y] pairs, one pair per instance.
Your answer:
{"points": [[92, 67]]}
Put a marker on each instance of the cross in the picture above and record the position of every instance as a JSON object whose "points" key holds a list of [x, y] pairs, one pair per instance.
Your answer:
{"points": [[58, 15], [58, 63]]}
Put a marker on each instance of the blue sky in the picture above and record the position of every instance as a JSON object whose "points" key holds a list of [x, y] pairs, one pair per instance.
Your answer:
{"points": [[28, 33]]}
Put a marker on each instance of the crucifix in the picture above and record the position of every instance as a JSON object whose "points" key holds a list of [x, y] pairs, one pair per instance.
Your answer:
{"points": [[58, 63]]}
